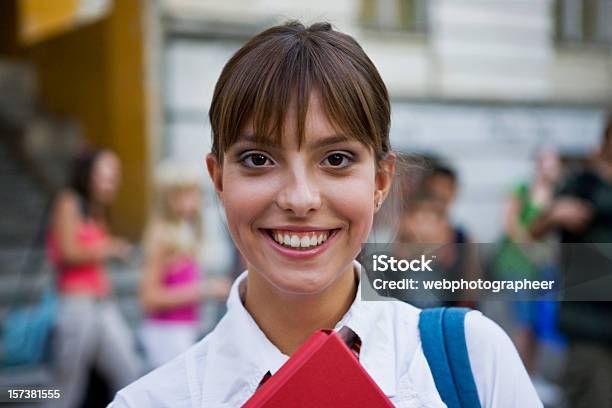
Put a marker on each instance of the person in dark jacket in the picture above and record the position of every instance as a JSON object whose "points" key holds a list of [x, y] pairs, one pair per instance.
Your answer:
{"points": [[582, 213]]}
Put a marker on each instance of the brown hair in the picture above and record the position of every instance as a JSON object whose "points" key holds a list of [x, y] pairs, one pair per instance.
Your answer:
{"points": [[285, 64]]}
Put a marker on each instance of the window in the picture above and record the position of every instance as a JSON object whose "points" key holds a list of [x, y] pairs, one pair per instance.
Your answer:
{"points": [[587, 22], [394, 15]]}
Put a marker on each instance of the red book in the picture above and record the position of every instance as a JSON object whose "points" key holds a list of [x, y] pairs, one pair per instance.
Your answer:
{"points": [[322, 373]]}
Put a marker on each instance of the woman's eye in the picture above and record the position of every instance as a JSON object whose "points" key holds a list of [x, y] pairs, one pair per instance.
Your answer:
{"points": [[337, 160], [256, 160]]}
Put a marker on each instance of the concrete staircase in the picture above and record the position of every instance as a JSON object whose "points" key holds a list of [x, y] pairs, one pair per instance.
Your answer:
{"points": [[22, 204]]}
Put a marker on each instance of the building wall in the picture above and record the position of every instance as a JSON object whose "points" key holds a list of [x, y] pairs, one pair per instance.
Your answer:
{"points": [[96, 75]]}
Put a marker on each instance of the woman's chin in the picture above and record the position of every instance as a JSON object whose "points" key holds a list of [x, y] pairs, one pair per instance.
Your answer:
{"points": [[301, 283]]}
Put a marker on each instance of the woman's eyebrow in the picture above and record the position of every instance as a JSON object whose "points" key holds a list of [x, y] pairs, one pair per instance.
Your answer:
{"points": [[328, 141]]}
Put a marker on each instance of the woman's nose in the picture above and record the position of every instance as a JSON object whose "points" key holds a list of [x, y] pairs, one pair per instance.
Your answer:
{"points": [[300, 193]]}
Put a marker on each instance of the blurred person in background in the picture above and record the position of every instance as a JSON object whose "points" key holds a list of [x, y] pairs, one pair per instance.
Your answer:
{"points": [[442, 182], [172, 289], [425, 226], [90, 330], [583, 213], [424, 221], [523, 257]]}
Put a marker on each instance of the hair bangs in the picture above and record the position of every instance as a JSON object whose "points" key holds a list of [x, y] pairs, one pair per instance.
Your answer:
{"points": [[277, 71]]}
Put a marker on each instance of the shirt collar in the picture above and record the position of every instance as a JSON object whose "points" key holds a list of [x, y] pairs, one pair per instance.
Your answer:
{"points": [[240, 354]]}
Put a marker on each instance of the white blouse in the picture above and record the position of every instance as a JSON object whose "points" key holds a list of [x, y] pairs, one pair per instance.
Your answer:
{"points": [[225, 368]]}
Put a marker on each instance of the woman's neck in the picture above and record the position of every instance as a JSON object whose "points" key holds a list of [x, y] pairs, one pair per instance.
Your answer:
{"points": [[287, 319]]}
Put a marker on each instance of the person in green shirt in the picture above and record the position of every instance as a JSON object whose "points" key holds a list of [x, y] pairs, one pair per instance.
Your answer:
{"points": [[522, 256]]}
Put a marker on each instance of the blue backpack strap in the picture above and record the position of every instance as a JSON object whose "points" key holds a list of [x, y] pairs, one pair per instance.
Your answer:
{"points": [[458, 358], [431, 328], [443, 340]]}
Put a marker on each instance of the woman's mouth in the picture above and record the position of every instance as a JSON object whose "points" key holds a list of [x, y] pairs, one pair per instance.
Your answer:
{"points": [[300, 243], [293, 239]]}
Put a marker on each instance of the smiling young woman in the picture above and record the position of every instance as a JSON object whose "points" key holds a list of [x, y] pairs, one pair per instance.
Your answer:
{"points": [[298, 215], [301, 162]]}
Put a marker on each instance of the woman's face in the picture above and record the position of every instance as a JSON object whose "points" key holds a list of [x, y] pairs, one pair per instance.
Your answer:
{"points": [[105, 177], [300, 215]]}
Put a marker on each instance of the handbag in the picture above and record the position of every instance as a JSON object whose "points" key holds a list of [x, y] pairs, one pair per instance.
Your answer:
{"points": [[26, 331], [442, 333]]}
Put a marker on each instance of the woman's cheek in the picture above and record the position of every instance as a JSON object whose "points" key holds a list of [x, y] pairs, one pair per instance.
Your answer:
{"points": [[353, 199], [244, 199]]}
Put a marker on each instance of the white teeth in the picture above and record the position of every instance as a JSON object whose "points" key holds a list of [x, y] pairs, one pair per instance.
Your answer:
{"points": [[296, 241]]}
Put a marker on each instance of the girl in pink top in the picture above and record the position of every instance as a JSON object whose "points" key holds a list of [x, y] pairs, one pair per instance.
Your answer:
{"points": [[171, 287], [88, 277], [90, 330]]}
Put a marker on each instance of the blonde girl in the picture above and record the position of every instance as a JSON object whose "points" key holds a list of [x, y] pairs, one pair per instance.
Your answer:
{"points": [[171, 289]]}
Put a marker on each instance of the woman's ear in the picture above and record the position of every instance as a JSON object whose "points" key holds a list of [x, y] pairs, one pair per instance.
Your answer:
{"points": [[384, 178], [215, 172]]}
